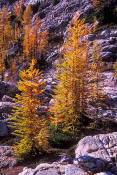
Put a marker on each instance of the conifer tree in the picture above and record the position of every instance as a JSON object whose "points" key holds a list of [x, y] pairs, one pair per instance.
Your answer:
{"points": [[6, 36], [27, 16], [29, 123], [72, 91], [19, 10], [34, 42], [78, 79]]}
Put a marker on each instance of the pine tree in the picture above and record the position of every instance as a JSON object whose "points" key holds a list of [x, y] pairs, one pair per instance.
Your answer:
{"points": [[29, 123]]}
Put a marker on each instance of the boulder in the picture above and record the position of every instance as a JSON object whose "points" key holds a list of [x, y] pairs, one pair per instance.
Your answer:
{"points": [[7, 89], [7, 98], [27, 171], [6, 157], [54, 169], [91, 164], [64, 158], [98, 150], [74, 170], [5, 109], [104, 173]]}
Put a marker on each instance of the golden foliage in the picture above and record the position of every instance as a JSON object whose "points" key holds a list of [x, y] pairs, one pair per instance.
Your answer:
{"points": [[34, 42], [27, 16], [20, 32], [18, 9], [115, 68], [71, 91], [29, 123], [77, 79], [6, 36]]}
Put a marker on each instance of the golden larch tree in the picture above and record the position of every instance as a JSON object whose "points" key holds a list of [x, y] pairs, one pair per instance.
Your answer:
{"points": [[29, 123], [78, 79], [6, 37], [34, 42], [72, 74]]}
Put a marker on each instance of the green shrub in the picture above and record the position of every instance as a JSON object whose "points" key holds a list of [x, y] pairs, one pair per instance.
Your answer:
{"points": [[59, 139]]}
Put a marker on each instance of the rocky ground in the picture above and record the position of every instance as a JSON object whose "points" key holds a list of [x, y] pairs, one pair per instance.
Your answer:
{"points": [[94, 155]]}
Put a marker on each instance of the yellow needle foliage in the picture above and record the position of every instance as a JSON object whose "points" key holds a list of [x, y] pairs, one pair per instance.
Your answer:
{"points": [[72, 75], [77, 78], [29, 123]]}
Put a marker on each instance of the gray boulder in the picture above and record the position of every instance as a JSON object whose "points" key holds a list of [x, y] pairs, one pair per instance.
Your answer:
{"points": [[54, 169], [104, 173], [5, 109], [74, 170], [7, 98], [102, 148], [6, 157], [7, 89], [90, 164]]}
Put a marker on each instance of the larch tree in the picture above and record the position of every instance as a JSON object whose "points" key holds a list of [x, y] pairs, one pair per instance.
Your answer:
{"points": [[27, 16], [72, 91], [34, 41], [77, 78], [18, 9], [30, 125], [6, 36]]}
